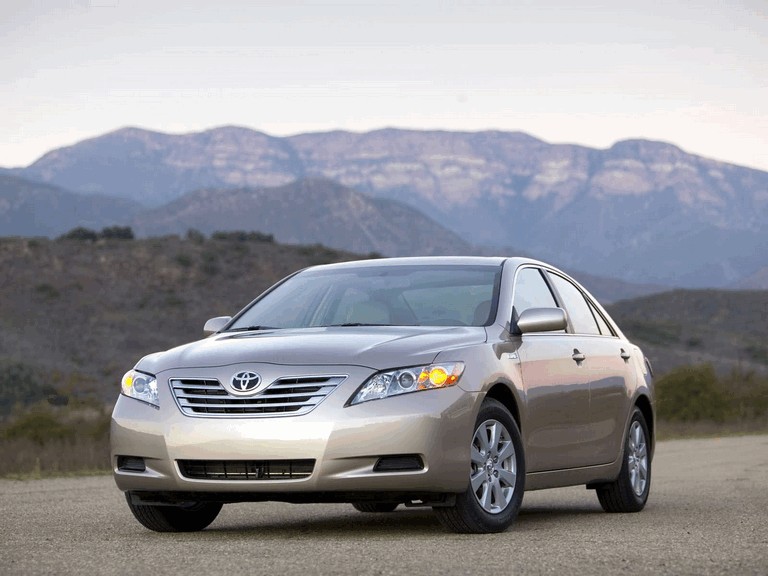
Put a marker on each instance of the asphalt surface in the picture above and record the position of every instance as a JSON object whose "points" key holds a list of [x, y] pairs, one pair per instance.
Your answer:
{"points": [[707, 514]]}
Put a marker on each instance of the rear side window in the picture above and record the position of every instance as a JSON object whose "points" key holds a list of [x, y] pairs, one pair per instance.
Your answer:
{"points": [[601, 323], [579, 313], [532, 291]]}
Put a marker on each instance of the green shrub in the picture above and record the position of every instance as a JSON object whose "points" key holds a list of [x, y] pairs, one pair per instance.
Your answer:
{"points": [[195, 236], [42, 441], [39, 426], [47, 291], [757, 352], [747, 394], [242, 236], [81, 234], [19, 385], [692, 393], [184, 260]]}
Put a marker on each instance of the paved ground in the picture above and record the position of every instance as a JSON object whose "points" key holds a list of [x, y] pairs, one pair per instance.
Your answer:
{"points": [[707, 514]]}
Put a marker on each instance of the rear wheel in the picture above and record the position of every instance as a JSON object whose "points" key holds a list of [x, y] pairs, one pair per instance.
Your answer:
{"points": [[496, 476], [375, 506], [186, 517], [629, 492]]}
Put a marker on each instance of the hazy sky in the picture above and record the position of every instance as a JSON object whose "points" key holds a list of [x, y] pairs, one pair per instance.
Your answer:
{"points": [[694, 73]]}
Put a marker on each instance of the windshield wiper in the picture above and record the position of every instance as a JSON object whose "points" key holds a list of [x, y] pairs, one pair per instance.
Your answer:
{"points": [[347, 324], [249, 328]]}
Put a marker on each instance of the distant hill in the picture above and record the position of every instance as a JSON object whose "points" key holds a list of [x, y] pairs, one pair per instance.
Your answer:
{"points": [[33, 209], [82, 313], [307, 212], [646, 212], [755, 281], [725, 328]]}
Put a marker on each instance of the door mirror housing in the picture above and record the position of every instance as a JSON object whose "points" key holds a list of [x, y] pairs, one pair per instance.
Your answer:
{"points": [[542, 320], [215, 324]]}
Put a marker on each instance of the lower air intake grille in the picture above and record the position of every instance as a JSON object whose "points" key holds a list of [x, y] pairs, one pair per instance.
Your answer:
{"points": [[246, 469]]}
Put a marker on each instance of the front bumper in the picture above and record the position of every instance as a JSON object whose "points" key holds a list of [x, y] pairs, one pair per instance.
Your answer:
{"points": [[345, 442]]}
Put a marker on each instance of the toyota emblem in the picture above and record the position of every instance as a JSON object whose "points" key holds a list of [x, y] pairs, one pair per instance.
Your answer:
{"points": [[245, 381]]}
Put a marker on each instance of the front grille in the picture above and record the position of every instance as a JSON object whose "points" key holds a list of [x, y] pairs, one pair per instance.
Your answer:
{"points": [[246, 469], [292, 396]]}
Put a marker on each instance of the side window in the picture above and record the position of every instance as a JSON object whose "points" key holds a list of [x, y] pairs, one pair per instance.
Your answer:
{"points": [[601, 323], [581, 317], [532, 291]]}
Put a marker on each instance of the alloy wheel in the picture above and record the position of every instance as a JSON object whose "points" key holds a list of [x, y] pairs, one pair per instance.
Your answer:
{"points": [[637, 459], [493, 466]]}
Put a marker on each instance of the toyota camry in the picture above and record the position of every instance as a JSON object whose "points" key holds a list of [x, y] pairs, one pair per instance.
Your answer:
{"points": [[453, 383]]}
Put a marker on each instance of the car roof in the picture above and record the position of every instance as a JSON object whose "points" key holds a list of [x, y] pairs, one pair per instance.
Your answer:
{"points": [[432, 261]]}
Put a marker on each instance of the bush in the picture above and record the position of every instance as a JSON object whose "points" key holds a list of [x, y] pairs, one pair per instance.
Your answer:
{"points": [[195, 236], [19, 385], [81, 234], [117, 233], [39, 426], [43, 441], [242, 236], [695, 393], [747, 393], [47, 291], [184, 260]]}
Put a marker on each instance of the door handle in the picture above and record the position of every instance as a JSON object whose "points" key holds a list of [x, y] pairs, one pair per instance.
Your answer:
{"points": [[624, 354], [578, 356]]}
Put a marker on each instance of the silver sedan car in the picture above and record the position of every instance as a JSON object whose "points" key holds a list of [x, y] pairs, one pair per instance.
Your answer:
{"points": [[455, 383]]}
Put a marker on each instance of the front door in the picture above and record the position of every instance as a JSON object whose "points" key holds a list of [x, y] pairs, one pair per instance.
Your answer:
{"points": [[556, 384]]}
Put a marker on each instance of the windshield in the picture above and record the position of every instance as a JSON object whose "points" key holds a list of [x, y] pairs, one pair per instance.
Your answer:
{"points": [[437, 295]]}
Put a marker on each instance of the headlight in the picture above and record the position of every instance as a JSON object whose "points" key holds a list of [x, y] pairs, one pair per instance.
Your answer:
{"points": [[405, 380], [140, 386]]}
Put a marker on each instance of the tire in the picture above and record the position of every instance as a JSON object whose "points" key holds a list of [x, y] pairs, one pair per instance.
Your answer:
{"points": [[187, 517], [629, 492], [496, 476], [375, 506]]}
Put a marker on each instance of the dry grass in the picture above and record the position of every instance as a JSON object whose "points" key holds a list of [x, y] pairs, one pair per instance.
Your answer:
{"points": [[708, 429], [24, 458]]}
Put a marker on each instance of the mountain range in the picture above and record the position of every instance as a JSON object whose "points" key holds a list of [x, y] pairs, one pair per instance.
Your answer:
{"points": [[641, 211]]}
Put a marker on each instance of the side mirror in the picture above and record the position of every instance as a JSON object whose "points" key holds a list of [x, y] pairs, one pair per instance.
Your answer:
{"points": [[542, 320], [215, 324]]}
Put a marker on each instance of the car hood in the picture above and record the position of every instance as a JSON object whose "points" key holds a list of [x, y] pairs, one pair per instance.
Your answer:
{"points": [[378, 347]]}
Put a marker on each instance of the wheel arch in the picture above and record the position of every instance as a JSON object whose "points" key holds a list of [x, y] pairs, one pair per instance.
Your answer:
{"points": [[643, 403], [501, 393]]}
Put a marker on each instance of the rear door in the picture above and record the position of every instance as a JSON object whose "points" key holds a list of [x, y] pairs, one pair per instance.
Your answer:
{"points": [[606, 359]]}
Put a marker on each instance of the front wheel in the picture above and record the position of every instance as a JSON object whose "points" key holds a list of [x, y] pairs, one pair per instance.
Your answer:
{"points": [[496, 476], [186, 517], [629, 492]]}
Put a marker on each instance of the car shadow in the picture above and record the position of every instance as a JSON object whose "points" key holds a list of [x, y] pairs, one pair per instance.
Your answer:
{"points": [[403, 521], [333, 524]]}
